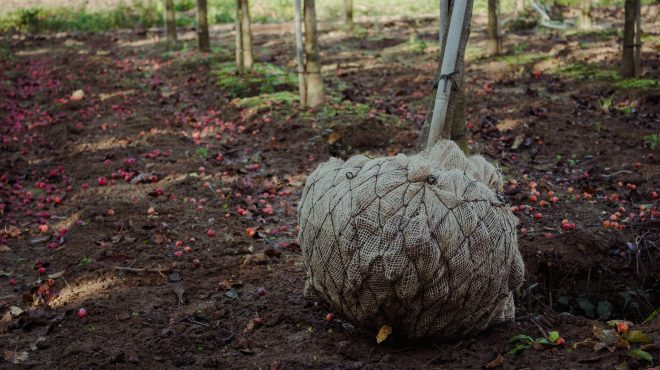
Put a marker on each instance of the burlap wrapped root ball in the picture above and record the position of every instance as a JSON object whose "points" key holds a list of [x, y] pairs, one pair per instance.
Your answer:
{"points": [[421, 243]]}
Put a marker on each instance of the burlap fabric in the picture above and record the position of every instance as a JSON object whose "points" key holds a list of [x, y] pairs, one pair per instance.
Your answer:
{"points": [[421, 243]]}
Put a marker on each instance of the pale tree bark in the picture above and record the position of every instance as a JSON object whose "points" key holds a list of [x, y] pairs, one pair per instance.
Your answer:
{"points": [[638, 38], [170, 22], [246, 35], [315, 90], [494, 39], [239, 38], [586, 22], [444, 25], [300, 53], [456, 110], [520, 8], [202, 27], [628, 57], [348, 13], [454, 126]]}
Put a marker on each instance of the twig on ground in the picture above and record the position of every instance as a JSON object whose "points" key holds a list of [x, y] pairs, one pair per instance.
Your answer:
{"points": [[136, 270]]}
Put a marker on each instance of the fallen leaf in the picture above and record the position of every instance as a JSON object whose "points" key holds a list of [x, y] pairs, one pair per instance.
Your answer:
{"points": [[637, 336], [333, 137], [228, 284], [15, 310], [497, 362], [517, 142], [179, 290], [640, 354], [40, 239], [256, 259], [250, 326], [13, 231], [5, 248], [159, 238], [232, 293], [78, 95], [56, 275], [14, 357], [383, 333]]}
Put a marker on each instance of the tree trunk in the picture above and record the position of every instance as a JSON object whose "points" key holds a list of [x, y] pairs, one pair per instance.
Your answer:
{"points": [[442, 31], [494, 40], [315, 91], [520, 8], [456, 110], [638, 38], [299, 53], [202, 27], [454, 126], [246, 35], [627, 57], [348, 11], [239, 38], [586, 22], [170, 22]]}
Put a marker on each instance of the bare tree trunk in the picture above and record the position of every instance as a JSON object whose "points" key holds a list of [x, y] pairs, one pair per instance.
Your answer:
{"points": [[586, 22], [202, 27], [299, 53], [638, 38], [456, 109], [315, 91], [348, 11], [494, 40], [170, 22], [627, 57], [444, 26], [454, 126], [247, 35], [520, 8], [239, 38]]}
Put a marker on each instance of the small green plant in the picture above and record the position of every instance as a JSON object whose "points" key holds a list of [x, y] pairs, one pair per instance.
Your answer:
{"points": [[85, 261], [606, 103], [652, 141], [523, 342], [203, 152]]}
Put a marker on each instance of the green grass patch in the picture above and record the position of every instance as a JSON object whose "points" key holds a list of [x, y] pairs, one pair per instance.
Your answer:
{"points": [[35, 20], [638, 83], [588, 71], [265, 100], [262, 79]]}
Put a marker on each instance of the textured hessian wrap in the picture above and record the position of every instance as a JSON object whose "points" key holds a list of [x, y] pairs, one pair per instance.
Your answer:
{"points": [[421, 243]]}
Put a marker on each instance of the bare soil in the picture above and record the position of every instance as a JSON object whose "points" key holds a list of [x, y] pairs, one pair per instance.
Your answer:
{"points": [[185, 166]]}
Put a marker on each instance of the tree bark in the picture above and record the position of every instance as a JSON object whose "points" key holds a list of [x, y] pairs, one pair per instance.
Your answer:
{"points": [[454, 126], [300, 53], [315, 91], [638, 38], [239, 38], [246, 35], [627, 57], [170, 22], [202, 27], [348, 12], [442, 31], [494, 40], [586, 22], [456, 110], [520, 8]]}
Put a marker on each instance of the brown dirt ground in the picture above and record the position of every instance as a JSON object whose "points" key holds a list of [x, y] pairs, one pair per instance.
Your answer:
{"points": [[255, 162]]}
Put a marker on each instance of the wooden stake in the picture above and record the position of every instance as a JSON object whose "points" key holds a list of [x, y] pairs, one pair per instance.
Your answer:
{"points": [[447, 72]]}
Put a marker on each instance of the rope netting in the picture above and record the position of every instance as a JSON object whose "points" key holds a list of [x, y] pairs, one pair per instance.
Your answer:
{"points": [[421, 243]]}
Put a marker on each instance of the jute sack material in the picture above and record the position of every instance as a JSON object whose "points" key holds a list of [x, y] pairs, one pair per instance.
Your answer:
{"points": [[422, 243]]}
